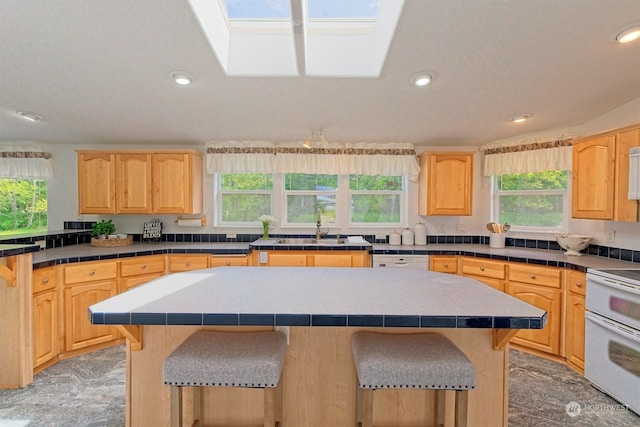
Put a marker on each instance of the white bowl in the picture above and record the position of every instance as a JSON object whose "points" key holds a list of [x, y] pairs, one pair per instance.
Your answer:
{"points": [[573, 243]]}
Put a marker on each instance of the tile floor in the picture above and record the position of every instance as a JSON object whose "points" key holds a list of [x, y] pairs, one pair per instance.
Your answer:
{"points": [[88, 391]]}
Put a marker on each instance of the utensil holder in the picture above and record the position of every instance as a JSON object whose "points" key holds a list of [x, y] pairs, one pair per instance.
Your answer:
{"points": [[496, 240]]}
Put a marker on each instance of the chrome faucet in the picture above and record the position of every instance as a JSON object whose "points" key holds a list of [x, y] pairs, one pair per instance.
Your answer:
{"points": [[318, 223]]}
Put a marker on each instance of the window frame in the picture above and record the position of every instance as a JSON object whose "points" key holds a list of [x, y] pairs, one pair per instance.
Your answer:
{"points": [[566, 206], [402, 195]]}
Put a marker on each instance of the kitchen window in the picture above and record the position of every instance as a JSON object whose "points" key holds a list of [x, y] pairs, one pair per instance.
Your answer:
{"points": [[537, 201], [295, 198], [375, 199], [242, 198], [23, 206], [305, 194]]}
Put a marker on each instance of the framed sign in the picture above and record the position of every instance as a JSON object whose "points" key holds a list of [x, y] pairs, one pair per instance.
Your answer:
{"points": [[152, 231]]}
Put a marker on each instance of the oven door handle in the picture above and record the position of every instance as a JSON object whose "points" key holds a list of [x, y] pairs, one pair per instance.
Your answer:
{"points": [[621, 286], [612, 326]]}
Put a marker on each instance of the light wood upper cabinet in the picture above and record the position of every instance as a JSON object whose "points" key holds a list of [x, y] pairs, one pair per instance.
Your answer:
{"points": [[177, 183], [96, 182], [446, 184], [140, 182], [601, 177], [133, 183]]}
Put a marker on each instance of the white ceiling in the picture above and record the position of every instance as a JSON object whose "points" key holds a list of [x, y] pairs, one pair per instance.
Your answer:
{"points": [[99, 72]]}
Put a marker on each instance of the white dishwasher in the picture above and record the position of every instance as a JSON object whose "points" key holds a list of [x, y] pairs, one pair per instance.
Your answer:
{"points": [[401, 261]]}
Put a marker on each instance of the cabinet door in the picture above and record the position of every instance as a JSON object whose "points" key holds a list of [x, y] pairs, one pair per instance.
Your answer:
{"points": [[143, 265], [593, 178], [549, 300], [483, 268], [177, 183], [444, 264], [45, 327], [188, 262], [79, 332], [575, 330], [133, 183], [131, 282], [96, 183], [535, 274], [287, 259], [449, 184], [332, 260]]}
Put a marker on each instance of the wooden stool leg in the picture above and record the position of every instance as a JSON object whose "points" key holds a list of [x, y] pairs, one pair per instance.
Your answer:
{"points": [[272, 399], [462, 400], [176, 406], [364, 407], [198, 403], [440, 407]]}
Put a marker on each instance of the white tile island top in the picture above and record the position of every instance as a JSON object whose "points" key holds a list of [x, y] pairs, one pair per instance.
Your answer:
{"points": [[322, 296]]}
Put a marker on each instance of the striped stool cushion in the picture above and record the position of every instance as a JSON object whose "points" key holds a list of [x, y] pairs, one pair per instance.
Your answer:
{"points": [[235, 359], [427, 361]]}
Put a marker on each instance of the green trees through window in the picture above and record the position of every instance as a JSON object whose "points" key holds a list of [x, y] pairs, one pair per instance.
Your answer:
{"points": [[23, 206], [533, 199]]}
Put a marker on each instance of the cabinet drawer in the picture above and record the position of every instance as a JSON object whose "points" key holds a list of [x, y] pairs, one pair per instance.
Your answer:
{"points": [[535, 275], [577, 282], [188, 262], [44, 279], [228, 260], [444, 264], [90, 272], [142, 265], [483, 267]]}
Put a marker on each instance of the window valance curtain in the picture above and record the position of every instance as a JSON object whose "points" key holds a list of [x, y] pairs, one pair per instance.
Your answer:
{"points": [[393, 159], [25, 163], [531, 154]]}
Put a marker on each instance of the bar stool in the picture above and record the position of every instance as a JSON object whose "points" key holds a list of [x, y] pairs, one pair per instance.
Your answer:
{"points": [[232, 359], [413, 361]]}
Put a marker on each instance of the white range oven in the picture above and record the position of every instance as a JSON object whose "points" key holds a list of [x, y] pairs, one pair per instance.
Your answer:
{"points": [[612, 335]]}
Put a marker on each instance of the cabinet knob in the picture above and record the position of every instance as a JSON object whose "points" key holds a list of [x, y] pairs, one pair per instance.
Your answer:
{"points": [[481, 268], [579, 284], [92, 272], [45, 280], [228, 263], [143, 266], [533, 276], [446, 265], [188, 263]]}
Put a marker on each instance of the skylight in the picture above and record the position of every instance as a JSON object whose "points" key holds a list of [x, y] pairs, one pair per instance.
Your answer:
{"points": [[321, 38]]}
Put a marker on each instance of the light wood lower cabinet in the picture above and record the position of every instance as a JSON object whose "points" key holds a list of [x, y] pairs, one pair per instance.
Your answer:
{"points": [[138, 270], [444, 263], [85, 284], [548, 299], [229, 260], [489, 272], [45, 316], [575, 325], [313, 259], [187, 262]]}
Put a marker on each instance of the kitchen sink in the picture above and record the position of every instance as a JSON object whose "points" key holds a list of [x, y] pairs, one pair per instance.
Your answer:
{"points": [[311, 241]]}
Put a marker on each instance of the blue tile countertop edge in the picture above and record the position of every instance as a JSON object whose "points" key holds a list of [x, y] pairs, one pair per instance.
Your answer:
{"points": [[338, 320], [11, 250]]}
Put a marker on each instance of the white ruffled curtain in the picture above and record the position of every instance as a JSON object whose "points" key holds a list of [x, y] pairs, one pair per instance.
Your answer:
{"points": [[529, 154], [353, 158], [25, 163]]}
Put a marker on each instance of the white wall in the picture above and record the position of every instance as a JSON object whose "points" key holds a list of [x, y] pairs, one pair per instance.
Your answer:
{"points": [[63, 196]]}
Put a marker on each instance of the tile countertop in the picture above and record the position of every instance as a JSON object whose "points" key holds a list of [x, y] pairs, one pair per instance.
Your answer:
{"points": [[317, 296], [86, 252]]}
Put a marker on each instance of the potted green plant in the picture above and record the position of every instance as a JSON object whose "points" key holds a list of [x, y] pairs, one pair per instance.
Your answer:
{"points": [[102, 229]]}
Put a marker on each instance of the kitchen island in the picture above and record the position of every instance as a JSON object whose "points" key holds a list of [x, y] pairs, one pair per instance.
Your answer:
{"points": [[320, 308]]}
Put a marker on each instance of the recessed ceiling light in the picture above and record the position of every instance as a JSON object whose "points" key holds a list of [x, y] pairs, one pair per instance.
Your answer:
{"points": [[422, 78], [182, 78], [28, 115], [519, 118], [626, 34]]}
